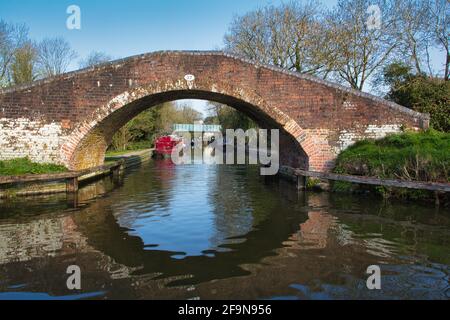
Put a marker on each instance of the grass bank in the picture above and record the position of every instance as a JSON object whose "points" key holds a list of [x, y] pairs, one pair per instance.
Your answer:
{"points": [[134, 146], [423, 156], [22, 166]]}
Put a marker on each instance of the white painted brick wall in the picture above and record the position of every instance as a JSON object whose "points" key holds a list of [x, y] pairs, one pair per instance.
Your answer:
{"points": [[349, 137], [39, 141]]}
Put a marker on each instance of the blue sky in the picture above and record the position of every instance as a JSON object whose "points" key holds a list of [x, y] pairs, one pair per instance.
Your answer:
{"points": [[123, 28]]}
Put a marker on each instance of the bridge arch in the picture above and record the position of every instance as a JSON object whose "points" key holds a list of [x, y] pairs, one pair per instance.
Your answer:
{"points": [[69, 119], [87, 144]]}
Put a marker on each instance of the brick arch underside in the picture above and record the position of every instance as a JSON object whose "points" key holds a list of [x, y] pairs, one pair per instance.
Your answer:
{"points": [[87, 145]]}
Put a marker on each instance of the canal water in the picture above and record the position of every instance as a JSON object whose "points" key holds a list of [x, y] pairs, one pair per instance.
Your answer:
{"points": [[219, 232]]}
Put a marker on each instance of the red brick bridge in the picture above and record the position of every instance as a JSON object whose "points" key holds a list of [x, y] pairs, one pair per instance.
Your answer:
{"points": [[70, 119]]}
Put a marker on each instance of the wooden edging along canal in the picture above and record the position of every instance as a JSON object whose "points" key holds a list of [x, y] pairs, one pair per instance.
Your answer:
{"points": [[70, 179], [301, 176], [420, 185]]}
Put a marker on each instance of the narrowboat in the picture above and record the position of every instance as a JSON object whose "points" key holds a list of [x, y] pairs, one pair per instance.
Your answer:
{"points": [[165, 144]]}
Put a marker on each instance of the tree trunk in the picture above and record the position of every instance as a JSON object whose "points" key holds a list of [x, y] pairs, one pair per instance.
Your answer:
{"points": [[447, 67]]}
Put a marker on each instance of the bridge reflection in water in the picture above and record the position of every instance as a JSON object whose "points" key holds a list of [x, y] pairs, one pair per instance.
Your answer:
{"points": [[221, 232]]}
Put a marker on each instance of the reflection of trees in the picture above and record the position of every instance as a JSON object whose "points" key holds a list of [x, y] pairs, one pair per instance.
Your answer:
{"points": [[277, 212], [242, 200], [232, 206], [98, 224], [326, 258], [151, 184], [395, 228], [283, 240]]}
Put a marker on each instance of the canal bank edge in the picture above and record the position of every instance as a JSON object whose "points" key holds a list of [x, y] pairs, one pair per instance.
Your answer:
{"points": [[23, 188]]}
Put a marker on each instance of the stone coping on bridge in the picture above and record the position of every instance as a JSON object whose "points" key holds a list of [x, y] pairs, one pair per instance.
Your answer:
{"points": [[118, 62]]}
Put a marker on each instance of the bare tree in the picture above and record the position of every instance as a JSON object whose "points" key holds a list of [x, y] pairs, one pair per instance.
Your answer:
{"points": [[413, 33], [12, 38], [345, 42], [360, 49], [290, 36], [421, 26], [440, 29], [54, 56], [187, 114], [95, 58], [248, 36]]}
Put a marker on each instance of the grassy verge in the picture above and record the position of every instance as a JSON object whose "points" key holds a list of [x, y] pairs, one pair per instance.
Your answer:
{"points": [[24, 166], [135, 146], [117, 153], [410, 156]]}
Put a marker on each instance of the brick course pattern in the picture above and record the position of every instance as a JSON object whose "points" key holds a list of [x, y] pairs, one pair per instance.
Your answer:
{"points": [[70, 119]]}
